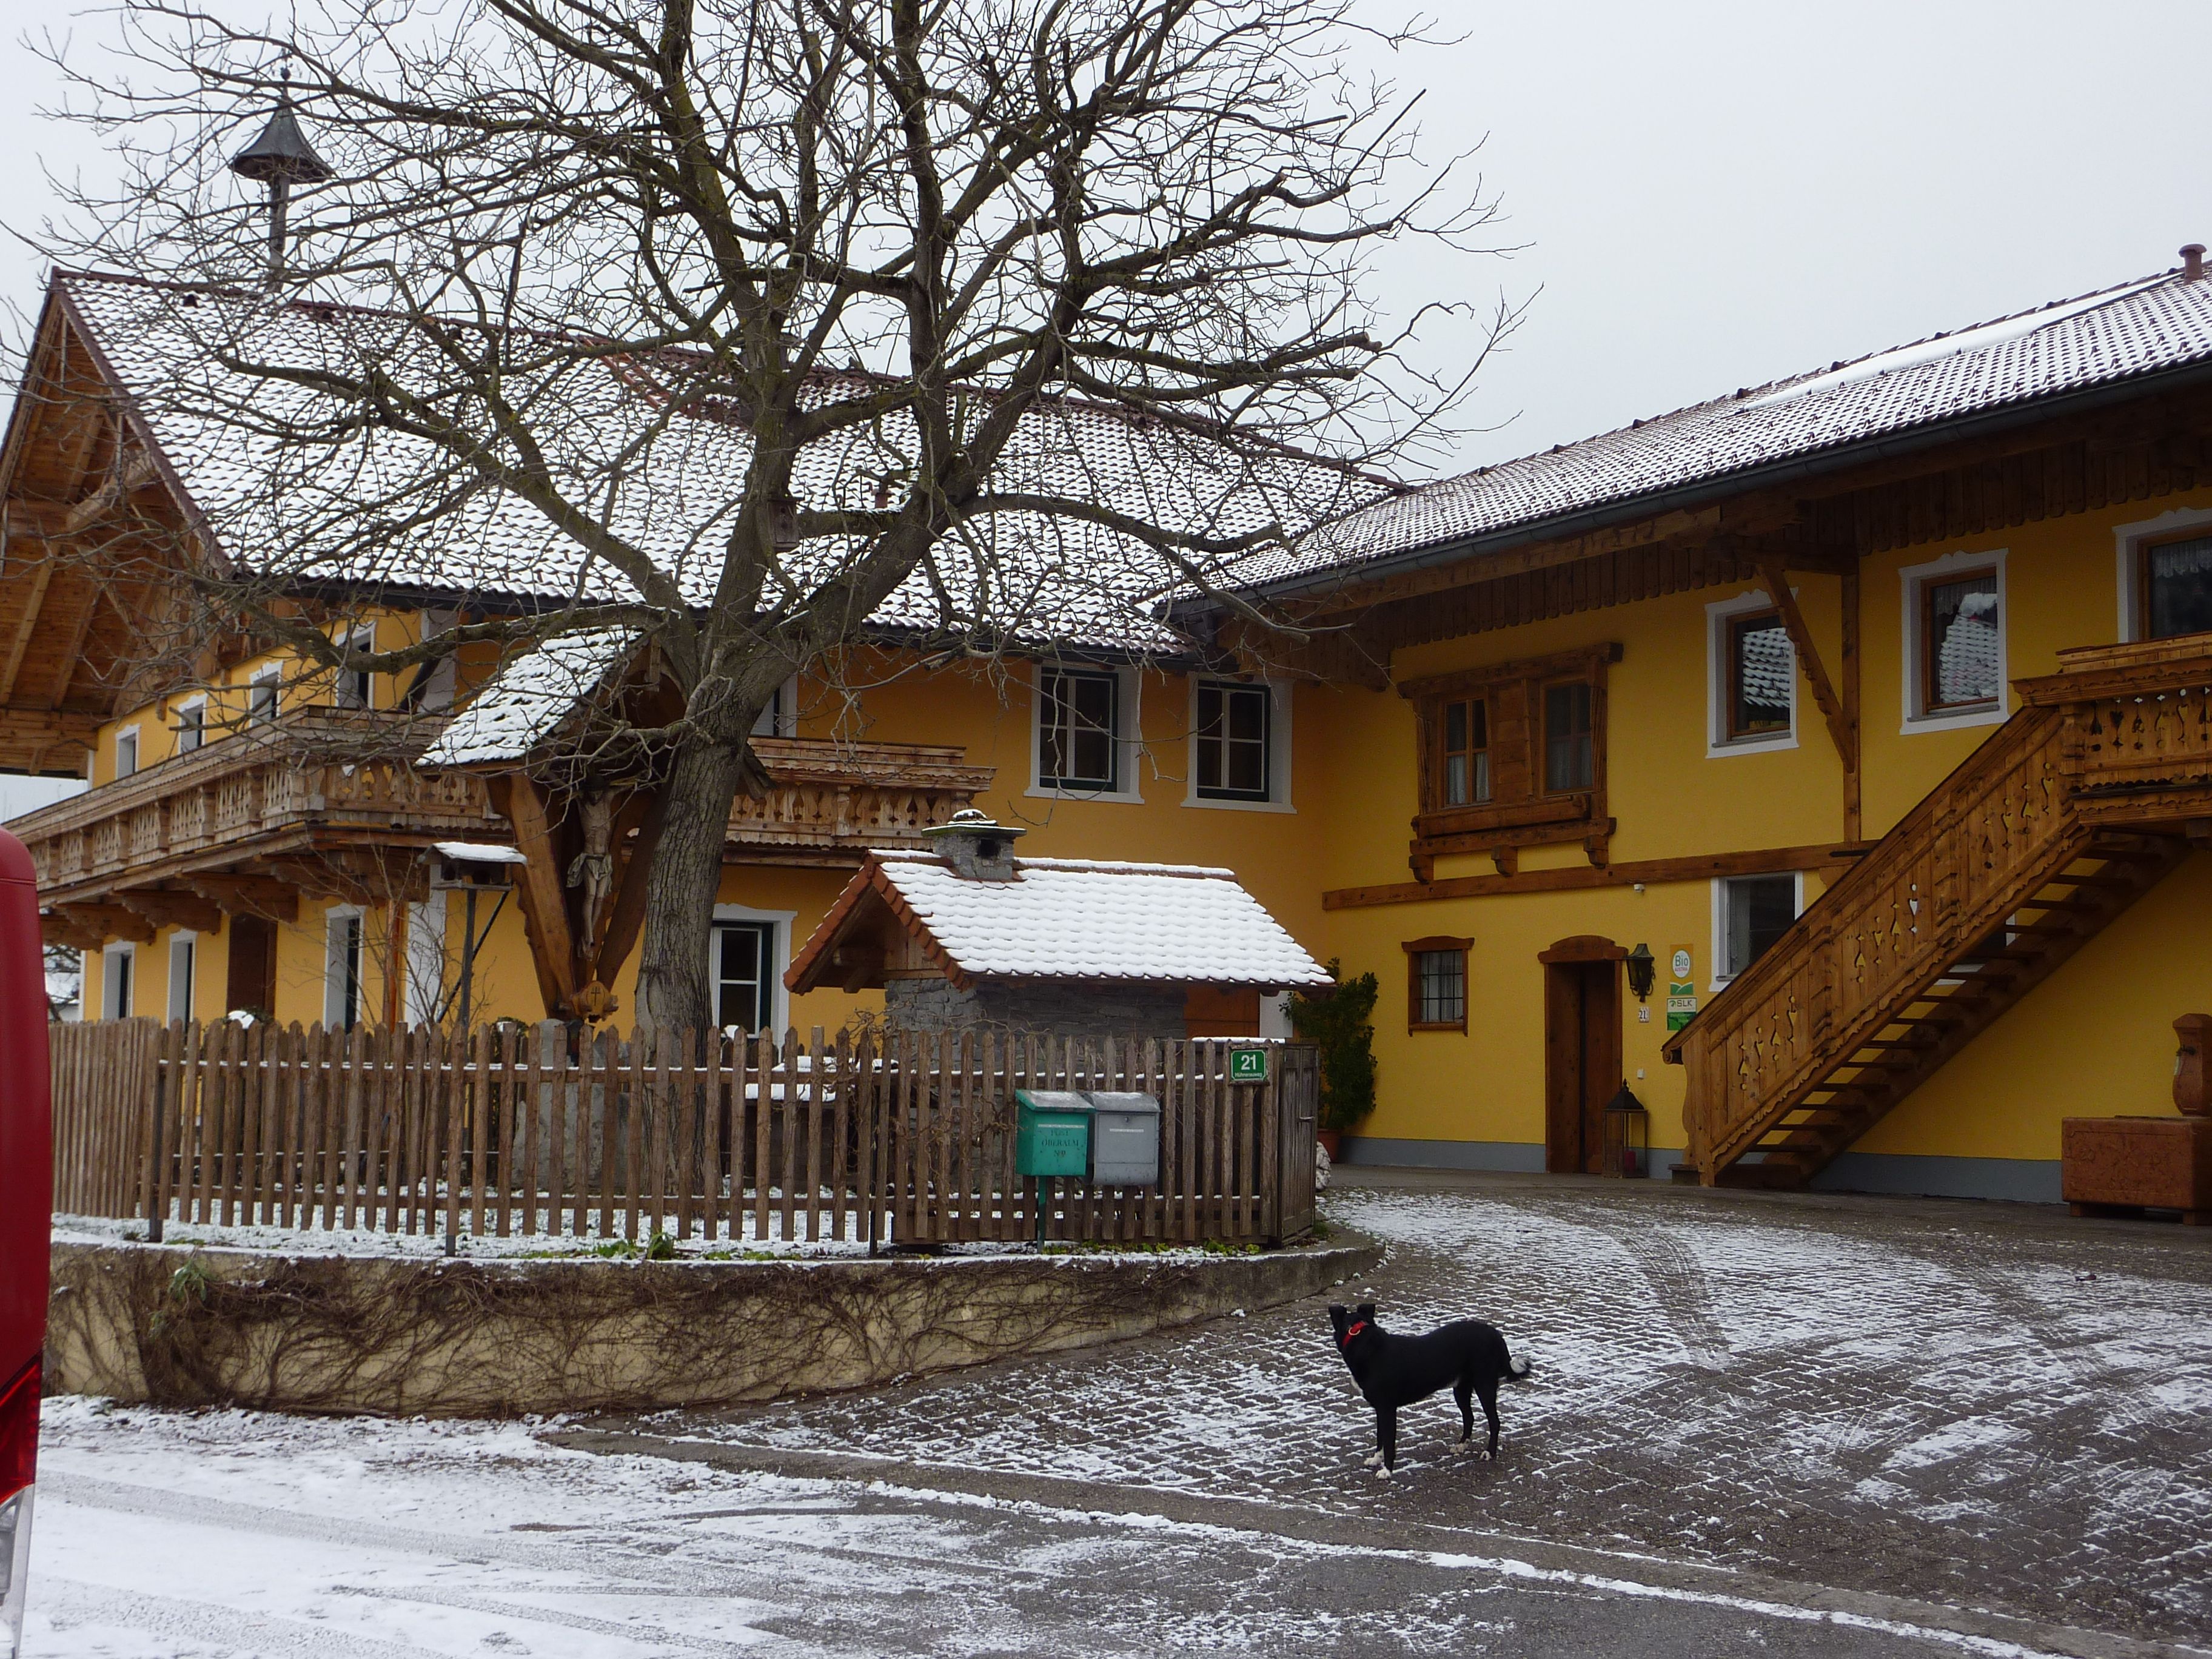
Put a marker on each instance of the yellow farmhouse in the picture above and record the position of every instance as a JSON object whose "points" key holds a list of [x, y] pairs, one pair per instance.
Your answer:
{"points": [[1826, 763]]}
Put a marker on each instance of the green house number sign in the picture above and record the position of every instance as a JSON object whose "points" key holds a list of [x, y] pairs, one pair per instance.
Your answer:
{"points": [[1248, 1065]]}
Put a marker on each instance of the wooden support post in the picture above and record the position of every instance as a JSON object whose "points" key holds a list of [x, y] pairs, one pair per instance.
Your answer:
{"points": [[539, 891], [1801, 638], [395, 967], [626, 915], [1849, 668]]}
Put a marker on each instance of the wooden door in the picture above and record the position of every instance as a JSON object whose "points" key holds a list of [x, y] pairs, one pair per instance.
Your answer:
{"points": [[1581, 1050], [252, 981]]}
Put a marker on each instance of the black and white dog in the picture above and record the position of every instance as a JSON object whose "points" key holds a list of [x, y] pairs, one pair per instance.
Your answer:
{"points": [[1466, 1355]]}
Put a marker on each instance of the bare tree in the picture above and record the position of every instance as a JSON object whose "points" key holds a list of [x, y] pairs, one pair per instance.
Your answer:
{"points": [[756, 328]]}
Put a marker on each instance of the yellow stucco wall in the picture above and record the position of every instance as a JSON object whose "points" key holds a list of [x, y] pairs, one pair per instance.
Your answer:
{"points": [[2002, 1099], [2095, 1038], [225, 690]]}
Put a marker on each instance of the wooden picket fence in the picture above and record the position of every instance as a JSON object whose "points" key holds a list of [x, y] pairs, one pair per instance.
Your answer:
{"points": [[883, 1138]]}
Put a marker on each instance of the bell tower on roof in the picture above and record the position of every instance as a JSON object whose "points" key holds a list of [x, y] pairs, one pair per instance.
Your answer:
{"points": [[279, 158]]}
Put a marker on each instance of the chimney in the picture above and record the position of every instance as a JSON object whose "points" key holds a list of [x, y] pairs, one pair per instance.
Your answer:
{"points": [[2192, 262], [976, 848]]}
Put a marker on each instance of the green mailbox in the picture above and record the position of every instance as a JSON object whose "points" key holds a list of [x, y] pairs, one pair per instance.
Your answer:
{"points": [[1052, 1133]]}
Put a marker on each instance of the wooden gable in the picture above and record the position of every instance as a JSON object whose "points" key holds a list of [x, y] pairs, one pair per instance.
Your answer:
{"points": [[89, 533]]}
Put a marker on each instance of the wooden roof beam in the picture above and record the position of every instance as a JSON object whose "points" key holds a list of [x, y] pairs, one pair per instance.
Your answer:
{"points": [[107, 921], [25, 626], [166, 907], [249, 895], [1808, 658]]}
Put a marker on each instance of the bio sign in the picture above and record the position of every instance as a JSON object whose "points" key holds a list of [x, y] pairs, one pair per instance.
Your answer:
{"points": [[1681, 989], [1248, 1065]]}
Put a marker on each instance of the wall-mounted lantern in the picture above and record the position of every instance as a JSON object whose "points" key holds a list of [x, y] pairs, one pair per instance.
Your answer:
{"points": [[1641, 964]]}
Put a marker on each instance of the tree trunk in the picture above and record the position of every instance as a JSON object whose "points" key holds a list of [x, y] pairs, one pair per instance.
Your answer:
{"points": [[673, 985]]}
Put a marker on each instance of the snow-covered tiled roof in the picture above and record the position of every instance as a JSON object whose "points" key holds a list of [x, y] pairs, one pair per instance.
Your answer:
{"points": [[529, 695], [1078, 919], [2138, 328], [669, 486]]}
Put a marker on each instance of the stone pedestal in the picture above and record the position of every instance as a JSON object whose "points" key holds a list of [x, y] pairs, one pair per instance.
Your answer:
{"points": [[2129, 1164]]}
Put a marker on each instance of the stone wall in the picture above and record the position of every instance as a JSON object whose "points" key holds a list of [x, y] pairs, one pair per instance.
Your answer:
{"points": [[176, 1326], [1076, 1008]]}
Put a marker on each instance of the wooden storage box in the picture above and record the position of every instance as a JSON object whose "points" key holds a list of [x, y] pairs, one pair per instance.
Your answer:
{"points": [[2138, 1163]]}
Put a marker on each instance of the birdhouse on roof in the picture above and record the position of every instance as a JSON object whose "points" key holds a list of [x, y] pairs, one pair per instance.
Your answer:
{"points": [[966, 934]]}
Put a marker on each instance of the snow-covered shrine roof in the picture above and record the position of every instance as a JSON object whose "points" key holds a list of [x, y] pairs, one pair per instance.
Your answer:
{"points": [[2134, 329], [528, 695], [292, 510], [1072, 919]]}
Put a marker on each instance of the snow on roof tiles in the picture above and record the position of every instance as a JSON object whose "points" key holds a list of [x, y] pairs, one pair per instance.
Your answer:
{"points": [[1078, 919], [530, 694], [294, 509], [2137, 328]]}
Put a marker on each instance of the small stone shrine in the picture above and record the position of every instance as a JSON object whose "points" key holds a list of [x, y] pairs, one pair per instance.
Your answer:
{"points": [[967, 934]]}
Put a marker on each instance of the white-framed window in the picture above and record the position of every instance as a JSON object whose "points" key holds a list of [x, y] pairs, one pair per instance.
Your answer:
{"points": [[1749, 914], [425, 990], [119, 967], [427, 688], [126, 752], [2165, 570], [747, 953], [780, 717], [1085, 733], [1569, 736], [355, 687], [1751, 677], [263, 691], [1240, 745], [1954, 642], [191, 724], [184, 956], [342, 968]]}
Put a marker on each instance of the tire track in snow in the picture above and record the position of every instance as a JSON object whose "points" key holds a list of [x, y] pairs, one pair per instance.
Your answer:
{"points": [[69, 1604]]}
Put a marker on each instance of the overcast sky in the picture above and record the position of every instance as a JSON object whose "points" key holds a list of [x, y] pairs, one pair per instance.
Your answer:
{"points": [[1712, 193]]}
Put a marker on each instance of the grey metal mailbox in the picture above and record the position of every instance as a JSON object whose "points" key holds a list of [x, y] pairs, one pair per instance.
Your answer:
{"points": [[1125, 1139]]}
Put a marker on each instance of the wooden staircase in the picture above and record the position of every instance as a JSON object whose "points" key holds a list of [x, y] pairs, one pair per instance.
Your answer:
{"points": [[2070, 811]]}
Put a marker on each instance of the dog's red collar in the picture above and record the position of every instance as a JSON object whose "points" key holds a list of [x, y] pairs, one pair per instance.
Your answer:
{"points": [[1352, 1332]]}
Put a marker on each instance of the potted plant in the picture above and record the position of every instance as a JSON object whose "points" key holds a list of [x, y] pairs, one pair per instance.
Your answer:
{"points": [[1338, 1022]]}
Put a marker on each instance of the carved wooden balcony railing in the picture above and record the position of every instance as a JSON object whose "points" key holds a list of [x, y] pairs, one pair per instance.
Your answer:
{"points": [[327, 792], [833, 800], [2066, 814], [267, 792]]}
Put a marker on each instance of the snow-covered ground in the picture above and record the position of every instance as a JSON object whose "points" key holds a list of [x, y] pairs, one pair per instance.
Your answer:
{"points": [[1988, 1404], [231, 1536], [1950, 1406], [546, 1242]]}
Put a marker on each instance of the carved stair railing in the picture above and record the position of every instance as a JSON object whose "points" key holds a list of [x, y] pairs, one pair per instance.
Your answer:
{"points": [[2059, 822]]}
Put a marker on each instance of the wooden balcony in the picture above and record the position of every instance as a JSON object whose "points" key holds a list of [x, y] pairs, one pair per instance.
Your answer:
{"points": [[327, 802], [2070, 811], [276, 800], [834, 800]]}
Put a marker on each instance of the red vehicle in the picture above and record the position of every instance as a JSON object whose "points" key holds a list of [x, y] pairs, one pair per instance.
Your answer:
{"points": [[26, 1186]]}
